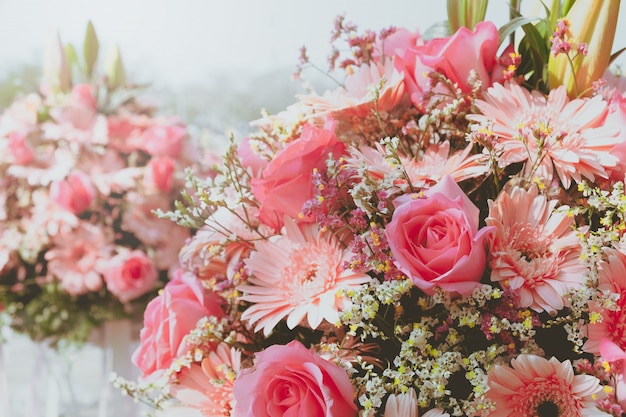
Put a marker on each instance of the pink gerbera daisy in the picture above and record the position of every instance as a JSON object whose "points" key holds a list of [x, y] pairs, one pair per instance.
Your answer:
{"points": [[423, 171], [608, 335], [534, 249], [295, 275], [77, 257], [536, 386], [552, 135], [356, 96], [208, 386], [402, 405]]}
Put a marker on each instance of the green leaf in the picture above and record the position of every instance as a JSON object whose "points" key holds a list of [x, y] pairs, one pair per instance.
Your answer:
{"points": [[512, 25], [90, 49], [535, 53]]}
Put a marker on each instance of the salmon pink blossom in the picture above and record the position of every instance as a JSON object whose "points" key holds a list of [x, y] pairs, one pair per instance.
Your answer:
{"points": [[208, 386], [534, 249], [553, 136], [77, 257], [536, 386], [297, 275]]}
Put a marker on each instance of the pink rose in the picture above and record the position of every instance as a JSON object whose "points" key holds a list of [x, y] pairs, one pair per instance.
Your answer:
{"points": [[160, 173], [169, 318], [130, 275], [286, 182], [75, 193], [163, 140], [455, 57], [292, 380], [82, 96], [21, 153], [80, 113], [435, 239]]}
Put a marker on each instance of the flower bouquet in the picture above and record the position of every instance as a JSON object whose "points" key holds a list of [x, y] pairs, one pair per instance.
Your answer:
{"points": [[84, 163], [441, 234]]}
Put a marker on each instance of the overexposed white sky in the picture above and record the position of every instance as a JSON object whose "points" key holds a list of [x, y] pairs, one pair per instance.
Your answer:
{"points": [[172, 43]]}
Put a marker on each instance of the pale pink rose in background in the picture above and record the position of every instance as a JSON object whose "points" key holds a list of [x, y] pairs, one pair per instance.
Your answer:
{"points": [[455, 57], [168, 318], [82, 95], [533, 382], [129, 275], [286, 182], [208, 386], [21, 153], [75, 193], [435, 239], [250, 159], [125, 130], [81, 111], [163, 140], [160, 173], [76, 258], [292, 380]]}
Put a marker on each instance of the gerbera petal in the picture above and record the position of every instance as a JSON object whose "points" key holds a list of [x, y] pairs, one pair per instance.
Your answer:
{"points": [[301, 283]]}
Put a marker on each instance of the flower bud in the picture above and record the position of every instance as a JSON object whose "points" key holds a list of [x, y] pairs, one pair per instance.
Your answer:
{"points": [[56, 69], [466, 13]]}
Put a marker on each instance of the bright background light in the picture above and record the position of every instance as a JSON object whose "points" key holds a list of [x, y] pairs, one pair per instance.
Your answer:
{"points": [[238, 52]]}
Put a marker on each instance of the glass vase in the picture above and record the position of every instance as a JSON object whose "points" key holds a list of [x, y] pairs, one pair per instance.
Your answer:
{"points": [[37, 380]]}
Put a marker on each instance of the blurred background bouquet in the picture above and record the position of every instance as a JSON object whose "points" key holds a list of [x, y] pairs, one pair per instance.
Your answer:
{"points": [[441, 234], [84, 163]]}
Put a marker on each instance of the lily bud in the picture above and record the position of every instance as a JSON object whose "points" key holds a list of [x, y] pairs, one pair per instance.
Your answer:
{"points": [[466, 13], [90, 49], [56, 69], [591, 23], [115, 68]]}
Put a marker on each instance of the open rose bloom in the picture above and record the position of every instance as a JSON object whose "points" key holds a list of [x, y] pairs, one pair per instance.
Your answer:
{"points": [[442, 233]]}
